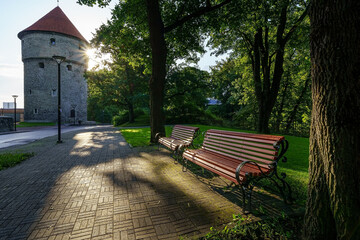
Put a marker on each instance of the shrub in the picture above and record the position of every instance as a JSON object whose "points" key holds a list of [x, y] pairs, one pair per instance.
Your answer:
{"points": [[120, 119]]}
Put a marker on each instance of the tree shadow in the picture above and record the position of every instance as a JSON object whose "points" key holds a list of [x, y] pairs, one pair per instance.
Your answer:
{"points": [[93, 179]]}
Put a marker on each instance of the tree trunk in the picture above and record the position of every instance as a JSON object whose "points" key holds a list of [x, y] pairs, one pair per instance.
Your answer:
{"points": [[333, 205], [157, 80], [266, 91], [279, 117], [131, 112]]}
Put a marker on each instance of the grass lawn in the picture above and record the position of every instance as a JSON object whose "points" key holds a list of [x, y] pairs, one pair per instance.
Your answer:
{"points": [[296, 168], [34, 124], [140, 121], [11, 159]]}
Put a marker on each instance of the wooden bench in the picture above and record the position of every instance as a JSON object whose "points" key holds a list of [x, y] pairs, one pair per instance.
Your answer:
{"points": [[242, 158], [181, 137]]}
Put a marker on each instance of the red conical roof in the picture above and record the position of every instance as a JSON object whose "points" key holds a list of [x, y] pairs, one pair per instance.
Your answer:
{"points": [[54, 21]]}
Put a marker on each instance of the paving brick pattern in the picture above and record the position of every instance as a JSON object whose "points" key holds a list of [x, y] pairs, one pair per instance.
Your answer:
{"points": [[94, 186]]}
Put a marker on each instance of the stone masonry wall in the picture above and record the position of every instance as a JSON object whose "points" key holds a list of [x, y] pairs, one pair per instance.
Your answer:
{"points": [[6, 124], [40, 77]]}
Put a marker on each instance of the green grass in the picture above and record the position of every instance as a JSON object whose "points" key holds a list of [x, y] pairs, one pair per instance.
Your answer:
{"points": [[11, 159], [143, 120], [296, 168], [34, 124], [139, 137]]}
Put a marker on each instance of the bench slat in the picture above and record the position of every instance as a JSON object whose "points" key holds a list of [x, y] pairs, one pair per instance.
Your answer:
{"points": [[269, 139], [244, 149], [225, 162], [229, 153], [258, 145], [223, 168]]}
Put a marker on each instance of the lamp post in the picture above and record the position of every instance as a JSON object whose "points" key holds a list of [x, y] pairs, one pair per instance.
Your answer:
{"points": [[15, 96], [59, 60]]}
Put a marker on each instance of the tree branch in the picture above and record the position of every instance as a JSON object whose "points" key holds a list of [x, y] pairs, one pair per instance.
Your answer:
{"points": [[296, 24], [200, 12]]}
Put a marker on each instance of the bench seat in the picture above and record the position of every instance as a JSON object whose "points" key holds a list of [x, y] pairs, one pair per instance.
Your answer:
{"points": [[242, 158], [223, 165]]}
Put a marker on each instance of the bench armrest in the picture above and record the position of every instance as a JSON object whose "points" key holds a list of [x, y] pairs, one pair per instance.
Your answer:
{"points": [[241, 165], [158, 135]]}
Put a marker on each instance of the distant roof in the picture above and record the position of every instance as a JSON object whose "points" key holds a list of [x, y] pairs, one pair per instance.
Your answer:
{"points": [[54, 21]]}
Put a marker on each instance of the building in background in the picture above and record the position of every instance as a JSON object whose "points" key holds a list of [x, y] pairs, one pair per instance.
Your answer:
{"points": [[8, 111], [54, 34]]}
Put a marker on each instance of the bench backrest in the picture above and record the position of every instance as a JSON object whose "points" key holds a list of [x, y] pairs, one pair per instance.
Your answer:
{"points": [[185, 133], [263, 149]]}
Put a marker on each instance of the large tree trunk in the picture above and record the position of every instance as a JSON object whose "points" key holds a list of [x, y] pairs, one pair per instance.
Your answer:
{"points": [[333, 205], [157, 80]]}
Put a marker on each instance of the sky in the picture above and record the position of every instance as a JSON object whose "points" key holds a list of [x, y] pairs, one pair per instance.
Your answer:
{"points": [[16, 15]]}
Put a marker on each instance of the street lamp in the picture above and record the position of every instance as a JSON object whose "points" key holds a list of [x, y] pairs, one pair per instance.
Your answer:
{"points": [[15, 96], [59, 60]]}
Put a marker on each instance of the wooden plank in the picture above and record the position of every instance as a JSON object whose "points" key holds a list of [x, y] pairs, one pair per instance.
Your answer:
{"points": [[235, 141], [242, 149], [229, 164], [246, 137], [242, 157]]}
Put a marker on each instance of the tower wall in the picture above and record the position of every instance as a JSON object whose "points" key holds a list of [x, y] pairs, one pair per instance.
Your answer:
{"points": [[40, 77]]}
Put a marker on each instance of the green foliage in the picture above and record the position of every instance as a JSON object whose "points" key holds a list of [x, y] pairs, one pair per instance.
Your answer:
{"points": [[11, 159], [123, 117], [222, 79], [262, 42], [273, 228], [120, 119], [114, 90], [186, 92]]}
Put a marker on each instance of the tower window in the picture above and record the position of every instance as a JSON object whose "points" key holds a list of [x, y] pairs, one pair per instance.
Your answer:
{"points": [[52, 41], [69, 67], [41, 65], [36, 111], [53, 92], [30, 92]]}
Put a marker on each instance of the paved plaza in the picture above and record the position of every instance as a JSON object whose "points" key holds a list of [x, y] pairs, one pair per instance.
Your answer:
{"points": [[95, 186]]}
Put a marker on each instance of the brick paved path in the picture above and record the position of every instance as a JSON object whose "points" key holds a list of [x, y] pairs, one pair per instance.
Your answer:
{"points": [[94, 186]]}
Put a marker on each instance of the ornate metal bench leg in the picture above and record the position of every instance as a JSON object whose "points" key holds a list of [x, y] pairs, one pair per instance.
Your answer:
{"points": [[243, 189], [247, 194], [176, 157], [283, 187], [184, 167]]}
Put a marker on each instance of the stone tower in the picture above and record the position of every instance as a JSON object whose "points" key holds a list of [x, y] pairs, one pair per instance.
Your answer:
{"points": [[54, 34]]}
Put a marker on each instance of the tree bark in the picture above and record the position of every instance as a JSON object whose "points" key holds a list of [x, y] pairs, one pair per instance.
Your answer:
{"points": [[157, 80], [333, 205], [131, 112]]}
